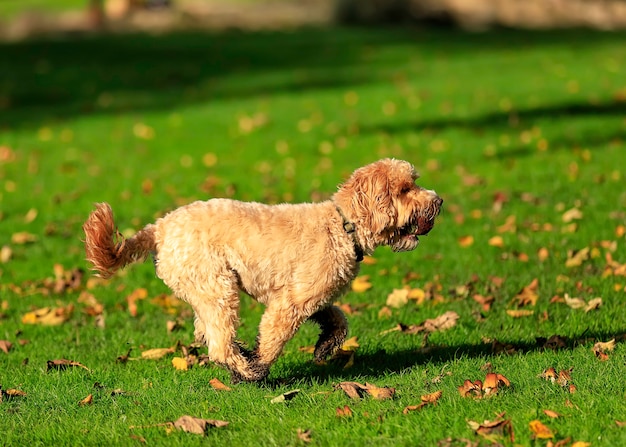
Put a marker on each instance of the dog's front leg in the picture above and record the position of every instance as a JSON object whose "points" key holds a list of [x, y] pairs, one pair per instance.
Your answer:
{"points": [[278, 325], [334, 328]]}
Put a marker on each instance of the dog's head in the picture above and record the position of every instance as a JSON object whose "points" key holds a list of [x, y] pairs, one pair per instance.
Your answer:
{"points": [[387, 206]]}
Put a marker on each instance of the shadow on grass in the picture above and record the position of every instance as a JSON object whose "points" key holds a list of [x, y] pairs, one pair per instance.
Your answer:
{"points": [[522, 119], [380, 363], [53, 80]]}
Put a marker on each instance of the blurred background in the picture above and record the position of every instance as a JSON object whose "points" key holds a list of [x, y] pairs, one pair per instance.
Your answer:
{"points": [[24, 18]]}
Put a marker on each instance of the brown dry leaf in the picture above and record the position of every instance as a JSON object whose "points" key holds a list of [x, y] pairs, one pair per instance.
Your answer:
{"points": [[197, 426], [581, 444], [180, 363], [539, 430], [384, 313], [593, 304], [380, 393], [307, 349], [494, 430], [216, 384], [354, 390], [620, 424], [62, 364], [565, 377], [571, 215], [466, 241], [86, 401], [496, 241], [11, 393], [410, 408], [484, 301], [492, 383], [520, 313], [543, 254], [551, 414], [576, 258], [600, 349], [304, 435], [344, 412], [442, 322], [361, 283], [368, 260], [156, 353], [48, 316], [398, 298], [471, 389], [285, 397], [22, 238], [136, 295], [5, 346], [528, 295]]}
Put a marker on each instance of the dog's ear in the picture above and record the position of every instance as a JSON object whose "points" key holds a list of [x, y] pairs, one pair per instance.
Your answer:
{"points": [[370, 192]]}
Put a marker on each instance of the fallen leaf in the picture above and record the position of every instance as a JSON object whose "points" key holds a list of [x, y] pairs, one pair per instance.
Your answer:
{"points": [[216, 384], [572, 214], [11, 393], [156, 353], [379, 393], [528, 295], [580, 444], [344, 412], [442, 322], [22, 238], [593, 304], [354, 390], [466, 241], [574, 303], [484, 301], [5, 346], [471, 389], [496, 241], [493, 430], [520, 313], [539, 430], [285, 397], [86, 401], [49, 316], [304, 435], [361, 283], [576, 258], [136, 295], [350, 344], [620, 424], [180, 363], [543, 254], [600, 349], [197, 426], [5, 254], [398, 298], [551, 414], [62, 364]]}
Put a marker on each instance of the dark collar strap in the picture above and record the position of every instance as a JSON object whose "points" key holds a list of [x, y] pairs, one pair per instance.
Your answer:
{"points": [[350, 228]]}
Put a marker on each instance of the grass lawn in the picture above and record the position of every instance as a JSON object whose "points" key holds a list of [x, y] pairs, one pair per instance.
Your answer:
{"points": [[521, 133]]}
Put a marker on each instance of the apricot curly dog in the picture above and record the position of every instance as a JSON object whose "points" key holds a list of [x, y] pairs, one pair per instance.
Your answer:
{"points": [[295, 259]]}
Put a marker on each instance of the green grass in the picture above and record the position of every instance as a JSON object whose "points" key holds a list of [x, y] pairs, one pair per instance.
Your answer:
{"points": [[539, 118]]}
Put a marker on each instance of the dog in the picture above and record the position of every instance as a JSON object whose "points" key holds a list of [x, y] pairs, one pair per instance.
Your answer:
{"points": [[296, 259]]}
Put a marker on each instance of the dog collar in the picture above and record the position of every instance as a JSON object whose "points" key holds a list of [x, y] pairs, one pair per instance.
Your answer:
{"points": [[350, 228]]}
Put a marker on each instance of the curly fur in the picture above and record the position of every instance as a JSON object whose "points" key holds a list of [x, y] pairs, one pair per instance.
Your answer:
{"points": [[296, 259]]}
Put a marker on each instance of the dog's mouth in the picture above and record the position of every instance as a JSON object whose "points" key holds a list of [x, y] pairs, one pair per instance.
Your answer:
{"points": [[407, 237]]}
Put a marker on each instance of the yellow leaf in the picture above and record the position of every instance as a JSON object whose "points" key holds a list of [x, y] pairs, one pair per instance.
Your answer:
{"points": [[572, 214], [543, 254], [574, 303], [48, 316], [581, 444], [179, 363], [540, 431], [368, 260], [593, 304], [575, 259], [520, 313], [87, 400], [398, 298], [350, 344], [496, 241], [156, 353], [22, 238], [466, 241], [361, 283]]}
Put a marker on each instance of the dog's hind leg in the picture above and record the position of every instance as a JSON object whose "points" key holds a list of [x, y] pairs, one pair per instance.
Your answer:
{"points": [[334, 328]]}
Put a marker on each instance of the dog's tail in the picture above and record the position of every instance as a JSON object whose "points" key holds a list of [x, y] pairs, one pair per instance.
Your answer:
{"points": [[105, 246]]}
